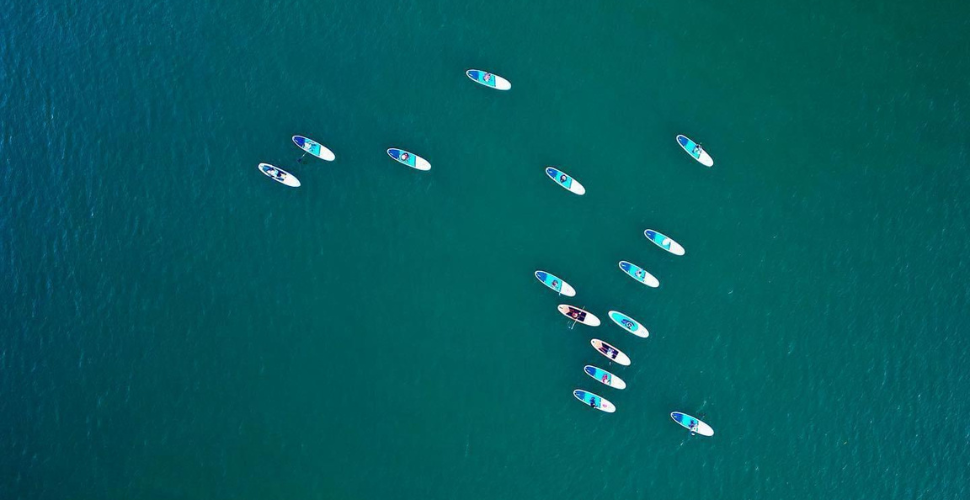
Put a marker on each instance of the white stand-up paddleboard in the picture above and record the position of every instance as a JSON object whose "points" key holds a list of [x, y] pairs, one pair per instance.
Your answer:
{"points": [[555, 283], [594, 401], [565, 181], [313, 148], [695, 151], [279, 175], [610, 352], [640, 274], [604, 377], [578, 315], [692, 424], [488, 79], [629, 324], [408, 158], [664, 241]]}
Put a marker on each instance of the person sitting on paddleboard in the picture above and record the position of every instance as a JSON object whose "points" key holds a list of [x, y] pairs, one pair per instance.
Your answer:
{"points": [[555, 283], [606, 378], [405, 156], [592, 402], [487, 77], [697, 150], [640, 274], [563, 178], [628, 324]]}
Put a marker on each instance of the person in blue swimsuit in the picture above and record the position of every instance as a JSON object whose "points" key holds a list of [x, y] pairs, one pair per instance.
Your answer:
{"points": [[562, 179], [628, 324]]}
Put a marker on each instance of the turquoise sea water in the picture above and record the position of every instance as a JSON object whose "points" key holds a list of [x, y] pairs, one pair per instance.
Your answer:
{"points": [[175, 325]]}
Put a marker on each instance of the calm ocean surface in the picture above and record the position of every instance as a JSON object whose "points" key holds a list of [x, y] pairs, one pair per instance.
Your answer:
{"points": [[176, 326]]}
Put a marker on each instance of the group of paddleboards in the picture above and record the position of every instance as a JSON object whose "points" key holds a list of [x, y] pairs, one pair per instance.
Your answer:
{"points": [[553, 282], [622, 320], [573, 186], [313, 148]]}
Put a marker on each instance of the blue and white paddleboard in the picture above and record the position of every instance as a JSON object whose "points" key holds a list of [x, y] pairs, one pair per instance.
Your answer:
{"points": [[408, 158], [695, 150], [592, 400], [604, 377], [664, 241], [313, 147], [555, 283], [610, 352], [565, 181], [638, 273], [692, 424], [629, 324], [488, 79], [279, 175]]}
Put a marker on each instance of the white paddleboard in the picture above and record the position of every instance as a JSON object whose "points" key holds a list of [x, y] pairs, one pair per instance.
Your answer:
{"points": [[610, 352], [604, 377], [313, 148], [640, 274], [487, 79], [692, 424], [578, 315], [664, 241], [629, 324], [279, 175], [408, 158], [695, 151]]}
